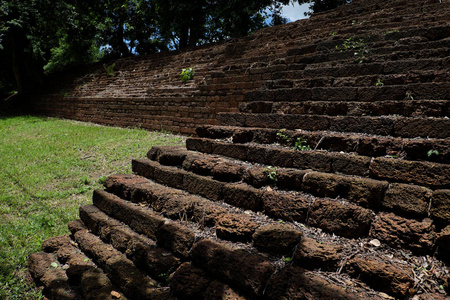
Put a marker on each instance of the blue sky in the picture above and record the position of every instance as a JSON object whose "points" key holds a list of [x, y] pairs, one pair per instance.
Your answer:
{"points": [[295, 12]]}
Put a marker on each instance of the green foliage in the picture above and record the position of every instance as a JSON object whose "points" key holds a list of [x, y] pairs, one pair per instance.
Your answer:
{"points": [[67, 55], [165, 277], [50, 36], [109, 69], [379, 82], [357, 47], [183, 24], [408, 96], [101, 180], [187, 74], [55, 170], [322, 5], [432, 152], [282, 137], [272, 173], [301, 145]]}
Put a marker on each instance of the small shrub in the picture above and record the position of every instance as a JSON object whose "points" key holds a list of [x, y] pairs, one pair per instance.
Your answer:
{"points": [[358, 47], [432, 152], [301, 145], [109, 69], [272, 173], [408, 96], [187, 74], [282, 137], [165, 277]]}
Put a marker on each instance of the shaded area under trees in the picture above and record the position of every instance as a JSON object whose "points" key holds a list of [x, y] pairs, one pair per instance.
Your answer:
{"points": [[43, 37]]}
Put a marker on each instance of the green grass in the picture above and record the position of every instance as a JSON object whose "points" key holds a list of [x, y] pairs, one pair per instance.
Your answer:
{"points": [[48, 168]]}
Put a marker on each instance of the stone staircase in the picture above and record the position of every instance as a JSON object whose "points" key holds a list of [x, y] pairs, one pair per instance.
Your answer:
{"points": [[331, 180]]}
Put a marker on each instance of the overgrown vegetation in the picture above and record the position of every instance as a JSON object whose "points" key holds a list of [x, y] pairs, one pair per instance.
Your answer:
{"points": [[356, 46], [48, 169], [187, 74], [109, 69], [285, 139]]}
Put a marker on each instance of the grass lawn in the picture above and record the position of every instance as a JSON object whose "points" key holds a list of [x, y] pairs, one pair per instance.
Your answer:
{"points": [[48, 168]]}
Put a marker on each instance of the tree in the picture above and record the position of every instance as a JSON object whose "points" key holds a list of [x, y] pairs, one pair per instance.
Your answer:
{"points": [[201, 21], [35, 33], [323, 5], [15, 47], [38, 37]]}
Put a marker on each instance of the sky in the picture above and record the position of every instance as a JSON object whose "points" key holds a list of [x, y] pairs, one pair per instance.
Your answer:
{"points": [[295, 12]]}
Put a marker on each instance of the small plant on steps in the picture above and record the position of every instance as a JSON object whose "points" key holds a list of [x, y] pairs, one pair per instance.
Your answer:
{"points": [[109, 69], [432, 152], [358, 47], [272, 173], [282, 137], [301, 145], [187, 74]]}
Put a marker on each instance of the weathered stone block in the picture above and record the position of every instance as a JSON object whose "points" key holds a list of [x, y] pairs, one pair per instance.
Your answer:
{"points": [[311, 254], [399, 232], [277, 239], [176, 238], [285, 207], [421, 173], [382, 275], [238, 267], [235, 227], [440, 206], [407, 200], [343, 219]]}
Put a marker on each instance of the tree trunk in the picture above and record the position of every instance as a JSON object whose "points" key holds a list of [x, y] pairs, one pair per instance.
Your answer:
{"points": [[27, 75]]}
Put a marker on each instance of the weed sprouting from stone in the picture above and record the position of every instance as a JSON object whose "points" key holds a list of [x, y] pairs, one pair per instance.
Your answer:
{"points": [[432, 152], [272, 173], [187, 74], [282, 137], [109, 69], [358, 47], [301, 145], [408, 96]]}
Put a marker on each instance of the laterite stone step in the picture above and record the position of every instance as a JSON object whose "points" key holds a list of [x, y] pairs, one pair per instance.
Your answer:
{"points": [[232, 264], [330, 215], [367, 145], [419, 91], [426, 174], [309, 253], [396, 126], [411, 108], [275, 204], [85, 277], [134, 187], [405, 200]]}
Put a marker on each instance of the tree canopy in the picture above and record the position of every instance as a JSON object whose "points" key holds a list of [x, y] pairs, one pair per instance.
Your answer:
{"points": [[44, 36]]}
